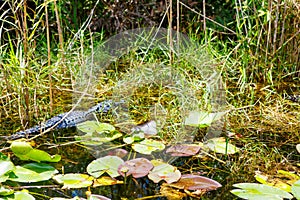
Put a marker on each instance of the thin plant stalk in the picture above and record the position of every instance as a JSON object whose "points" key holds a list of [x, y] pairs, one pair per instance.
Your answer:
{"points": [[59, 29], [26, 76], [49, 58]]}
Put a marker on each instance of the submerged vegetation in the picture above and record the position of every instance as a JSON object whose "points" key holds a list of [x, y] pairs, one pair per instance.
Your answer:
{"points": [[45, 47]]}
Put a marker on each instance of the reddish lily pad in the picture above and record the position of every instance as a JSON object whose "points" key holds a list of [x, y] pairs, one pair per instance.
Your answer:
{"points": [[184, 149], [195, 182], [138, 168]]}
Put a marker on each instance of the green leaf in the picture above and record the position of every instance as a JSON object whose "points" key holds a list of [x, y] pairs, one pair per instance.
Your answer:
{"points": [[219, 145], [134, 138], [202, 119], [5, 168], [38, 156], [165, 172], [33, 172], [147, 146], [24, 151], [5, 191], [21, 195], [60, 198], [20, 147], [296, 189], [94, 126], [74, 180], [108, 164], [254, 191], [97, 133], [98, 138]]}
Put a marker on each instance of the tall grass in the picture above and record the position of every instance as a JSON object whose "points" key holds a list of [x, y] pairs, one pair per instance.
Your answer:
{"points": [[43, 44]]}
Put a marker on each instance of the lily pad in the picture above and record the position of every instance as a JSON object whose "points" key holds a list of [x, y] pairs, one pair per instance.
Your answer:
{"points": [[97, 133], [74, 198], [20, 147], [195, 182], [282, 183], [24, 151], [183, 149], [6, 166], [147, 146], [6, 191], [97, 197], [22, 195], [94, 126], [165, 172], [219, 145], [138, 168], [296, 189], [202, 119], [108, 164], [255, 191], [105, 181], [172, 193], [74, 180], [148, 128], [38, 156], [136, 137], [33, 172]]}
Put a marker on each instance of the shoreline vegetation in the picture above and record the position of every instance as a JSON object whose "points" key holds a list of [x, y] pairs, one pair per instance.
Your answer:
{"points": [[255, 45]]}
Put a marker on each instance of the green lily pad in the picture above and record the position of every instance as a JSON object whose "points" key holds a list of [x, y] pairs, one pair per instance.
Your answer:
{"points": [[94, 126], [165, 172], [33, 172], [108, 164], [6, 166], [147, 146], [255, 191], [296, 189], [97, 133], [24, 195], [74, 180], [74, 198], [20, 147], [98, 197], [136, 137], [24, 151], [5, 191], [219, 145], [202, 119], [105, 181], [38, 156]]}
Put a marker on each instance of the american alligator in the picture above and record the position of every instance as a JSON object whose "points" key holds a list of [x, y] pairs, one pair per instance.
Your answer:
{"points": [[294, 98], [67, 120]]}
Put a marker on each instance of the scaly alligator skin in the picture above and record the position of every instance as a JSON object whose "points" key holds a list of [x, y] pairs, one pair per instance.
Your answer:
{"points": [[67, 120], [294, 98]]}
